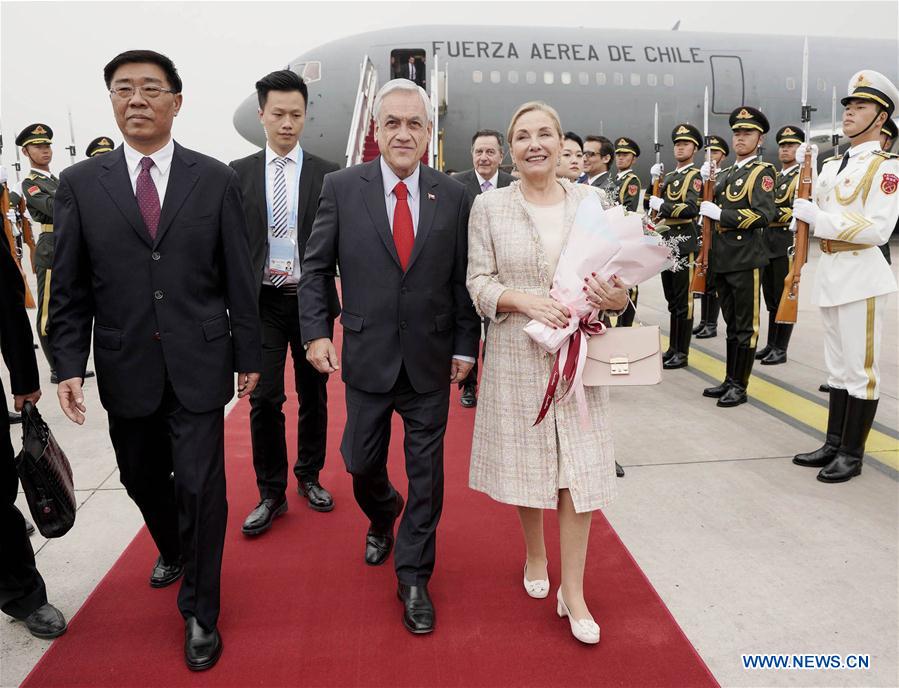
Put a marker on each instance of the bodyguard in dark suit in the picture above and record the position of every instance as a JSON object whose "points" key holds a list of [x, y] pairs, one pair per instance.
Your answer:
{"points": [[22, 592], [280, 186], [152, 256], [486, 155], [399, 232]]}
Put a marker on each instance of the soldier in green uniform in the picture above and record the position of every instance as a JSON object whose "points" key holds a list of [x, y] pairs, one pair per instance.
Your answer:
{"points": [[709, 307], [743, 207], [678, 206], [100, 145], [628, 184], [779, 241]]}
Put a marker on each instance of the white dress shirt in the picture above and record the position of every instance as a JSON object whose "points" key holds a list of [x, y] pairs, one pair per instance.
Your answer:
{"points": [[590, 180], [293, 167], [494, 180], [159, 173], [414, 199]]}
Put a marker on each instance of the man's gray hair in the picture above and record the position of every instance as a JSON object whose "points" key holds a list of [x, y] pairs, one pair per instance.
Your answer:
{"points": [[401, 85]]}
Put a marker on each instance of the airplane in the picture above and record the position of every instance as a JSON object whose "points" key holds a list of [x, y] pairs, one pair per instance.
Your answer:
{"points": [[600, 81]]}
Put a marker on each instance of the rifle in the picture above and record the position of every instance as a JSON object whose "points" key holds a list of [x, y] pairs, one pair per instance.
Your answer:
{"points": [[71, 148], [21, 213], [834, 136], [700, 273], [657, 182], [787, 311], [13, 237]]}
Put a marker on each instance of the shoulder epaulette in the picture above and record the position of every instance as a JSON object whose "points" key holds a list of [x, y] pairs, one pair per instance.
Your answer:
{"points": [[886, 154], [834, 157], [32, 175], [762, 163], [724, 169]]}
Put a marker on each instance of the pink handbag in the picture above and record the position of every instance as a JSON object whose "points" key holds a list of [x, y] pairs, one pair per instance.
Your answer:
{"points": [[624, 356]]}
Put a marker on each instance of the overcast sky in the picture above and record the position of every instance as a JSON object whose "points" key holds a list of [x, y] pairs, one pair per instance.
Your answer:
{"points": [[222, 48]]}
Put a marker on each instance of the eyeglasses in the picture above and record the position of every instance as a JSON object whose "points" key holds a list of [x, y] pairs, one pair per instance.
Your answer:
{"points": [[589, 154], [126, 92]]}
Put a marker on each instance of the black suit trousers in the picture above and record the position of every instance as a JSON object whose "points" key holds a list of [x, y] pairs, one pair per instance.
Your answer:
{"points": [[186, 515], [21, 586], [280, 331], [366, 439], [739, 294]]}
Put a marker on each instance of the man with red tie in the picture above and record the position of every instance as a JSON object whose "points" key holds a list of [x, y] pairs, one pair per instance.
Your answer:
{"points": [[399, 231]]}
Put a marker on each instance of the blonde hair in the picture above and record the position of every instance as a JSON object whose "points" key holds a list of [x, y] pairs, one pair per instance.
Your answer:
{"points": [[534, 106]]}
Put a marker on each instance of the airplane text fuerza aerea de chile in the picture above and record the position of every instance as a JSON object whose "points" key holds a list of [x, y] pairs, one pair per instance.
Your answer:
{"points": [[575, 52]]}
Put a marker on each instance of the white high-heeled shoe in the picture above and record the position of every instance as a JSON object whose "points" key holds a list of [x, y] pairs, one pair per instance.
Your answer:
{"points": [[537, 589], [585, 630]]}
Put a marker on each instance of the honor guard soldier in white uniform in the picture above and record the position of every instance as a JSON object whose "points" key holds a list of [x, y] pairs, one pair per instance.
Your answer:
{"points": [[855, 207], [779, 242]]}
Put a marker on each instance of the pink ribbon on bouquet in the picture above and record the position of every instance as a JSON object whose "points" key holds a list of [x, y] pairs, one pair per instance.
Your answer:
{"points": [[569, 366]]}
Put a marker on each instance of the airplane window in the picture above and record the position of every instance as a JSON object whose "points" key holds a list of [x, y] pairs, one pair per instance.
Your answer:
{"points": [[494, 77], [618, 79], [477, 76], [531, 77], [513, 77], [668, 79], [566, 77], [548, 77], [791, 83], [652, 80], [635, 79], [600, 78], [583, 78], [821, 85], [312, 72]]}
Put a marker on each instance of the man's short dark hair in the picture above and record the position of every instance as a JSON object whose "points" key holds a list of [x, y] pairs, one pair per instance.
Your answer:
{"points": [[487, 132], [571, 136], [605, 145], [142, 57], [282, 80]]}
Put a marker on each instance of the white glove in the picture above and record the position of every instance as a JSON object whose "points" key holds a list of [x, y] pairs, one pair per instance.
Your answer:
{"points": [[710, 210], [706, 171], [805, 210], [4, 175], [657, 170], [792, 226], [655, 202], [803, 149], [11, 216]]}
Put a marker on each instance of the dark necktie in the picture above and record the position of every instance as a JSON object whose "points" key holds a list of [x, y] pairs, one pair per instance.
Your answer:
{"points": [[844, 162], [148, 197], [403, 232]]}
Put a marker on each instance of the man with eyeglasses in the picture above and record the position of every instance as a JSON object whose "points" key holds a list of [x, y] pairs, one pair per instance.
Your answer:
{"points": [[598, 151], [152, 257], [486, 156]]}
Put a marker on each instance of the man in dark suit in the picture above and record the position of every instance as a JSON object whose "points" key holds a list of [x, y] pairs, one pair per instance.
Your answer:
{"points": [[486, 155], [22, 592], [280, 186], [152, 255], [598, 152], [414, 71], [399, 231]]}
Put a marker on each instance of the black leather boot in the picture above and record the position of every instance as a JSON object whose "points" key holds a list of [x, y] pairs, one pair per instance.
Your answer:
{"points": [[711, 318], [682, 345], [772, 333], [778, 352], [848, 462], [736, 393], [836, 416], [718, 391], [703, 308], [672, 339]]}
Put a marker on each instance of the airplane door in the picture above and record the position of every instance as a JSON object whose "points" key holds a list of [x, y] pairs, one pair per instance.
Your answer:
{"points": [[727, 83]]}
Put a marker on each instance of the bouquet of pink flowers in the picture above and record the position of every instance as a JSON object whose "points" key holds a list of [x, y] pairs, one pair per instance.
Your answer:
{"points": [[605, 242]]}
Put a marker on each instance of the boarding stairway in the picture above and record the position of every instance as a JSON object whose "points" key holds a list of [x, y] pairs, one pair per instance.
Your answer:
{"points": [[361, 143]]}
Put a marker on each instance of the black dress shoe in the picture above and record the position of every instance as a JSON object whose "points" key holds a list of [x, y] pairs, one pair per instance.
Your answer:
{"points": [[469, 397], [202, 648], [260, 518], [29, 528], [379, 542], [318, 497], [46, 622], [675, 361], [707, 332], [418, 610], [14, 418], [775, 357], [824, 388], [165, 574], [619, 471]]}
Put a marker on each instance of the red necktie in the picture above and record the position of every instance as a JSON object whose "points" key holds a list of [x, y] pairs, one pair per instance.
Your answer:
{"points": [[148, 197], [403, 234]]}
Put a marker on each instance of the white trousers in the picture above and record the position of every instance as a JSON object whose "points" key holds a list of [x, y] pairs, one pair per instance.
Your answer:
{"points": [[852, 338]]}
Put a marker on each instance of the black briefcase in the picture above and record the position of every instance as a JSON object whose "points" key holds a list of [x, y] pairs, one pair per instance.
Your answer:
{"points": [[46, 476]]}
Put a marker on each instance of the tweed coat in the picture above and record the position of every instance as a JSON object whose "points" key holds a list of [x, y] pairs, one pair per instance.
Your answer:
{"points": [[511, 460]]}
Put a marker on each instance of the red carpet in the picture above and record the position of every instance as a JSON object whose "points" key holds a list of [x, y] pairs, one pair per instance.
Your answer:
{"points": [[301, 608]]}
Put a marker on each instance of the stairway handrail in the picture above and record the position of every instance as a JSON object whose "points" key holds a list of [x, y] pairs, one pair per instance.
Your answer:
{"points": [[362, 112]]}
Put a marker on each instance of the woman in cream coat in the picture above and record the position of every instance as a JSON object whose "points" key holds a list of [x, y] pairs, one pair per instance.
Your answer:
{"points": [[516, 235]]}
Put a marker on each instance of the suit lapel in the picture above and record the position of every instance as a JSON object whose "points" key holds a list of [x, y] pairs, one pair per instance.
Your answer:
{"points": [[117, 183], [373, 196], [258, 188], [473, 183], [427, 209], [307, 173], [182, 180]]}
